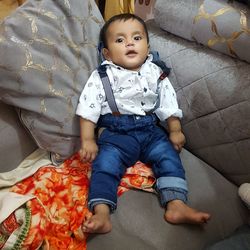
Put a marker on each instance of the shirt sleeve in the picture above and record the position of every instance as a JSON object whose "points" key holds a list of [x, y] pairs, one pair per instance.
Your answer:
{"points": [[168, 105], [91, 99]]}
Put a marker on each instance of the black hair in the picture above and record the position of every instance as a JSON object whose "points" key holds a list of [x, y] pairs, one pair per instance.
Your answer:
{"points": [[121, 17]]}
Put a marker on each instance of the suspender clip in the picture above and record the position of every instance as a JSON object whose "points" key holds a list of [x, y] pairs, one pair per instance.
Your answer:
{"points": [[116, 113], [163, 76]]}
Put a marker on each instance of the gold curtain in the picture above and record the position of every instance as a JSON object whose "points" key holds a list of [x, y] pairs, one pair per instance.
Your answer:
{"points": [[114, 7], [8, 6]]}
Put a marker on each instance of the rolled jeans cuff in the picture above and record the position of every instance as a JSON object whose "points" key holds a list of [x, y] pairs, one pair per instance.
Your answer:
{"points": [[169, 194], [171, 182], [93, 202]]}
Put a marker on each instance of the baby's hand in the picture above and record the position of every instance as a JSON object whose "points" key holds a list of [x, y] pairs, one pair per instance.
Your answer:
{"points": [[178, 139], [88, 151]]}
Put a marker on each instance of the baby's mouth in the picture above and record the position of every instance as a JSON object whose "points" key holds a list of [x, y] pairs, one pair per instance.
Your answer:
{"points": [[131, 53]]}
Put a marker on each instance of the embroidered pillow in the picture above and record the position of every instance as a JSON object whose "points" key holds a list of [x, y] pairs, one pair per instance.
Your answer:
{"points": [[48, 50]]}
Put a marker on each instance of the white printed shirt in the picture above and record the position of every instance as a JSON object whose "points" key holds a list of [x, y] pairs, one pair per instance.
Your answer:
{"points": [[135, 93]]}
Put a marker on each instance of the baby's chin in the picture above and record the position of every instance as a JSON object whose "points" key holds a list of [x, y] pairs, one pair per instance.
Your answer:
{"points": [[131, 66]]}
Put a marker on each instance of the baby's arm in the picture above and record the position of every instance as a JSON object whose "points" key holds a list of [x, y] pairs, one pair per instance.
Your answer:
{"points": [[175, 133], [89, 147], [169, 110]]}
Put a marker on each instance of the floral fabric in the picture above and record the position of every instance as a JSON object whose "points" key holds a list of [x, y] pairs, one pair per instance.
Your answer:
{"points": [[53, 219]]}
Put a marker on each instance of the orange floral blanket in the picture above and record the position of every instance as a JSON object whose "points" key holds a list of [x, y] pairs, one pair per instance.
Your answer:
{"points": [[53, 219]]}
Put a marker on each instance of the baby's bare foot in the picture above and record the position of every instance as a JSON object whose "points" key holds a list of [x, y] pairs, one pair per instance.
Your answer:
{"points": [[178, 213], [99, 222]]}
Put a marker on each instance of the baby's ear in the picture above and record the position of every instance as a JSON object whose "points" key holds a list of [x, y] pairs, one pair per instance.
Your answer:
{"points": [[105, 53]]}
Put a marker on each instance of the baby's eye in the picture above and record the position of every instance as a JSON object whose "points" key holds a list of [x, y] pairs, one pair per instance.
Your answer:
{"points": [[137, 38], [119, 40]]}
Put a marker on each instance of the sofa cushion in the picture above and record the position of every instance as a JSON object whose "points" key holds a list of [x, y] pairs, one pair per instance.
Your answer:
{"points": [[238, 240], [47, 51], [214, 93], [219, 24], [15, 140], [138, 223]]}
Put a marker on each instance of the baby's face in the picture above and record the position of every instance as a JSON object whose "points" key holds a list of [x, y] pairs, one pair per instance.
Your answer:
{"points": [[127, 44]]}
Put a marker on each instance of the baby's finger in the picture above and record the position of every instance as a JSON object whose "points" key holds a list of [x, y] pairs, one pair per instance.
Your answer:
{"points": [[82, 154], [93, 156], [177, 147], [87, 156]]}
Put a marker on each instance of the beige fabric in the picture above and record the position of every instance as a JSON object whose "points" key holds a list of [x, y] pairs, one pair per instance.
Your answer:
{"points": [[10, 201], [27, 168], [244, 193]]}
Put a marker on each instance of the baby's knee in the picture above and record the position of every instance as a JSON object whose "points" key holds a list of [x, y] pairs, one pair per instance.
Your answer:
{"points": [[108, 161]]}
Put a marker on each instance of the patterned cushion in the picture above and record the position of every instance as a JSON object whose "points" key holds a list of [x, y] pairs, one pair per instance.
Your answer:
{"points": [[47, 51], [219, 24]]}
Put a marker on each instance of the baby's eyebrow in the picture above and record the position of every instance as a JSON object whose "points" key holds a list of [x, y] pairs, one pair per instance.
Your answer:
{"points": [[120, 34], [138, 32], [134, 33]]}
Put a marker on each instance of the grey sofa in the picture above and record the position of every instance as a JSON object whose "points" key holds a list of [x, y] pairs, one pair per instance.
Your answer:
{"points": [[213, 87]]}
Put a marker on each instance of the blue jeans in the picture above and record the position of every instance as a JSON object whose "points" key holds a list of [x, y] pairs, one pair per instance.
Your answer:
{"points": [[125, 140]]}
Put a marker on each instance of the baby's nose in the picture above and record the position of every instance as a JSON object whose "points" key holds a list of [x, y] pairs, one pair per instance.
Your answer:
{"points": [[130, 43]]}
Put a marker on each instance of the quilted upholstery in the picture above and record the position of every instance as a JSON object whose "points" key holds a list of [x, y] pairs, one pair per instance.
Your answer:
{"points": [[214, 93]]}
